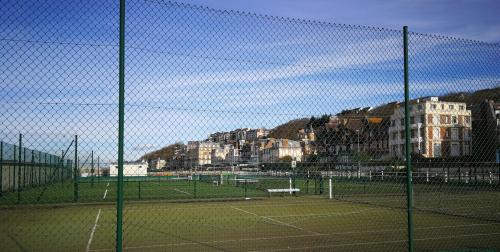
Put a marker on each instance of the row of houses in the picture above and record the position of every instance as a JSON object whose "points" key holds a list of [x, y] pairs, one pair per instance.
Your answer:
{"points": [[250, 151], [438, 128]]}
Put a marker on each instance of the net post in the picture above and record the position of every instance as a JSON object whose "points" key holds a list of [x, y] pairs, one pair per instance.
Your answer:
{"points": [[330, 187], [409, 189]]}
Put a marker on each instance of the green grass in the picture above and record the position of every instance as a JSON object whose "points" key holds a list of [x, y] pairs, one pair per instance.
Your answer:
{"points": [[274, 224]]}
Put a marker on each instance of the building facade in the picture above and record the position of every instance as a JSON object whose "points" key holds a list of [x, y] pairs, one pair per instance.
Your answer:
{"points": [[276, 149], [438, 129]]}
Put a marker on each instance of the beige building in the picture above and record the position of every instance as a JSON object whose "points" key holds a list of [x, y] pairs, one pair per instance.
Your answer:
{"points": [[276, 149], [200, 153], [438, 129]]}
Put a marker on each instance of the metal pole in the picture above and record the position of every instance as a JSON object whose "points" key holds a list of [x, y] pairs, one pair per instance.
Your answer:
{"points": [[409, 188], [98, 171], [19, 170], [1, 169], [32, 167], [24, 168], [121, 128], [75, 172], [92, 168], [39, 168]]}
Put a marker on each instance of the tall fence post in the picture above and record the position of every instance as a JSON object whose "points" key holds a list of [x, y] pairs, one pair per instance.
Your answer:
{"points": [[39, 168], [121, 129], [24, 168], [409, 189], [1, 168], [98, 171], [92, 168], [19, 170], [75, 172], [32, 167]]}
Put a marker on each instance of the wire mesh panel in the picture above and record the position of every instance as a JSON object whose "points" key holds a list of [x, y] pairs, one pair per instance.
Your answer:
{"points": [[279, 123], [455, 141], [243, 132], [58, 101]]}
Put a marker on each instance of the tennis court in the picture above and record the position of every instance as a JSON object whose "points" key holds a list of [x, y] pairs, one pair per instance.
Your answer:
{"points": [[169, 217]]}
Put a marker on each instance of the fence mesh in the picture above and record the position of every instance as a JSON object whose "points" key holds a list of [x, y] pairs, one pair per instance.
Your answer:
{"points": [[243, 132]]}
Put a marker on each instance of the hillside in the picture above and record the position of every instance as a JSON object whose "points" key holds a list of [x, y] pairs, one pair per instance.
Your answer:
{"points": [[473, 98], [165, 153], [289, 130]]}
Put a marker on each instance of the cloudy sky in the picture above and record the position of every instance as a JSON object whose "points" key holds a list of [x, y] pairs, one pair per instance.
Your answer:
{"points": [[472, 19], [191, 70]]}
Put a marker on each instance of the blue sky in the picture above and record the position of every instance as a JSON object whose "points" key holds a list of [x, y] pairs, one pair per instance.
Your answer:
{"points": [[191, 71], [471, 19]]}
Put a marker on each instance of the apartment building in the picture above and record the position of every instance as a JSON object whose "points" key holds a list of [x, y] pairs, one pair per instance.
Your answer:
{"points": [[200, 153], [438, 129], [276, 149]]}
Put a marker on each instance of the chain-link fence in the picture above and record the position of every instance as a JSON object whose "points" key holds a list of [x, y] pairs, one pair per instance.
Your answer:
{"points": [[242, 132]]}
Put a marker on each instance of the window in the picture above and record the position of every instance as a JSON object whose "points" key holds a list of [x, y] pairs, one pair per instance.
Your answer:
{"points": [[454, 119], [467, 120], [412, 120], [466, 150], [461, 107], [446, 119], [402, 134], [433, 106], [393, 123], [442, 106], [422, 119], [455, 150], [437, 150], [466, 135], [435, 119], [402, 122], [413, 133], [419, 107], [451, 107], [454, 134], [394, 136], [436, 133]]}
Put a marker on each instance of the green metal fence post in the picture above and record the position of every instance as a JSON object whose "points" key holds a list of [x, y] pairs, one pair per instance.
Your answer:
{"points": [[24, 167], [14, 172], [194, 191], [409, 189], [246, 189], [1, 169], [75, 172], [19, 170], [98, 171], [121, 129], [139, 189], [92, 168], [62, 166], [32, 167]]}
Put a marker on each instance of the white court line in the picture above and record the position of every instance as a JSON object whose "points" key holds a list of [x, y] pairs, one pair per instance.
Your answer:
{"points": [[93, 230], [376, 243], [181, 191], [105, 193], [290, 236], [107, 184], [276, 221]]}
